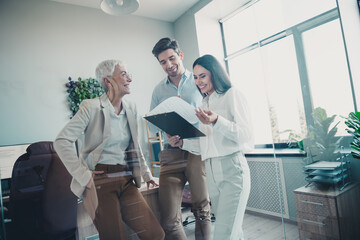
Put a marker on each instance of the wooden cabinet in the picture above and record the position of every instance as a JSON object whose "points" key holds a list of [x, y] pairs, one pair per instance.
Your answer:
{"points": [[328, 214]]}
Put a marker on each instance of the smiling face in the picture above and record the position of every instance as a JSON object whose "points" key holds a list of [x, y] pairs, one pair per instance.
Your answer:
{"points": [[203, 79], [171, 62], [120, 81]]}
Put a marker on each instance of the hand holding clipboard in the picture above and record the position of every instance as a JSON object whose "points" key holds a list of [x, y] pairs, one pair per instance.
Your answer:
{"points": [[175, 117]]}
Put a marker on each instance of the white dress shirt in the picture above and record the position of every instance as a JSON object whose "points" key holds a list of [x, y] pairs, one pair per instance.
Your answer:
{"points": [[231, 133], [114, 149]]}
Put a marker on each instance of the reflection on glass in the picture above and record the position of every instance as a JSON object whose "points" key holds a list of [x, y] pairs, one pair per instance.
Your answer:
{"points": [[283, 89], [327, 71], [278, 109], [246, 74], [284, 81]]}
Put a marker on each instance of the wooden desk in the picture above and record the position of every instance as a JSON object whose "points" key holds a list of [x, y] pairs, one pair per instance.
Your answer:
{"points": [[86, 228], [328, 214]]}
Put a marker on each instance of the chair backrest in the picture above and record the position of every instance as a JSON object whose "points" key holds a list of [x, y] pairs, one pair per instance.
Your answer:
{"points": [[42, 204]]}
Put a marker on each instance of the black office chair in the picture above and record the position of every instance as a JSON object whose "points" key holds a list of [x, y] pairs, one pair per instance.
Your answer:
{"points": [[42, 205]]}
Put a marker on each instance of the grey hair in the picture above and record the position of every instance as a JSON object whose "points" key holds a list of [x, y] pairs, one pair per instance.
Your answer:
{"points": [[106, 68]]}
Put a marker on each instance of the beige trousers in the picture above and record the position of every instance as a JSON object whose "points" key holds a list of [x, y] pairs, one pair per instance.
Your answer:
{"points": [[178, 167], [121, 202]]}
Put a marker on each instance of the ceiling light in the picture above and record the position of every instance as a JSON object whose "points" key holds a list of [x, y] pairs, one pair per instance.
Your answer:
{"points": [[119, 7]]}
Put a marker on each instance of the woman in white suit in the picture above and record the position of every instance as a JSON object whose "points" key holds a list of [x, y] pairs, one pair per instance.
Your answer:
{"points": [[106, 171], [226, 123]]}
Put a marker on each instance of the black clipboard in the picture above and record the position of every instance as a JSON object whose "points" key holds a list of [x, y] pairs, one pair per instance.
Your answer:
{"points": [[172, 123]]}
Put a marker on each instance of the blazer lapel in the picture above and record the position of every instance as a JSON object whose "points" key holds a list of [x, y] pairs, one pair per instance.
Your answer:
{"points": [[104, 108]]}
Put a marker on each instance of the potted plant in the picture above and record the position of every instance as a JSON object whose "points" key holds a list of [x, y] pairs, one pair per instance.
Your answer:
{"points": [[324, 164], [353, 122], [321, 143], [80, 90]]}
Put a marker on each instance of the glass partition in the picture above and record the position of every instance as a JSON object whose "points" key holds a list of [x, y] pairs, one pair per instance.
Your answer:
{"points": [[291, 64], [288, 58], [327, 71]]}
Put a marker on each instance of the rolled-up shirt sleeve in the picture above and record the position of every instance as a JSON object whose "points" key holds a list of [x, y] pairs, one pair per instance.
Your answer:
{"points": [[192, 146]]}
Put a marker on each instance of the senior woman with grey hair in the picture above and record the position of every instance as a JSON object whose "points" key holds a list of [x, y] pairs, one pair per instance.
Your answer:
{"points": [[110, 163]]}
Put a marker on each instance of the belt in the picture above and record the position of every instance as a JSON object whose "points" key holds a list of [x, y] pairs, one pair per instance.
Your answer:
{"points": [[108, 168]]}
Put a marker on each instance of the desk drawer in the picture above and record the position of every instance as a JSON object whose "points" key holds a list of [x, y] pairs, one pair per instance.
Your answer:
{"points": [[320, 225], [316, 205]]}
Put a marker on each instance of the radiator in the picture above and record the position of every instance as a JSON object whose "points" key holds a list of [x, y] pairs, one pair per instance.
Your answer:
{"points": [[268, 190]]}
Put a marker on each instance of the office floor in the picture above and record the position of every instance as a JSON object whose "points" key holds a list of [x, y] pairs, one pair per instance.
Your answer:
{"points": [[255, 228]]}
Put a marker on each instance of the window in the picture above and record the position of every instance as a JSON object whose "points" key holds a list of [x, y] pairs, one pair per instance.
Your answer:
{"points": [[245, 75], [288, 61], [326, 68]]}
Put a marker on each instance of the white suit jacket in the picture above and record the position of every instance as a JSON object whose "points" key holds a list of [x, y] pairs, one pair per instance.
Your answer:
{"points": [[91, 127]]}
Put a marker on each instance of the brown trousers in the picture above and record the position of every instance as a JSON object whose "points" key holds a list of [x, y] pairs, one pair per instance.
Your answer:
{"points": [[120, 203], [178, 167]]}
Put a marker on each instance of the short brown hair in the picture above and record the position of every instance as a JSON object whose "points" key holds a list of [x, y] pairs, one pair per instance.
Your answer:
{"points": [[164, 44]]}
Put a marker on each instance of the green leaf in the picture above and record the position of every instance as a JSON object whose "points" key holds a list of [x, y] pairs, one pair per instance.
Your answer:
{"points": [[83, 89]]}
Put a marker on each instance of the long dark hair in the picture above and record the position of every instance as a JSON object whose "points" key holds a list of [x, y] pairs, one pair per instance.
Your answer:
{"points": [[219, 77]]}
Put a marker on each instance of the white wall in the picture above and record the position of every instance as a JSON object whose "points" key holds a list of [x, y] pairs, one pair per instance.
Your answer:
{"points": [[208, 30], [43, 42], [209, 36], [185, 34], [185, 28]]}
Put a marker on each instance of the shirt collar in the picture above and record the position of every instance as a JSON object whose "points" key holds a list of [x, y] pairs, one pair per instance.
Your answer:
{"points": [[212, 96], [184, 77], [112, 109]]}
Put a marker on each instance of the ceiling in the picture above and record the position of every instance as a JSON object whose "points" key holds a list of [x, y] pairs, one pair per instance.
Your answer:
{"points": [[165, 10]]}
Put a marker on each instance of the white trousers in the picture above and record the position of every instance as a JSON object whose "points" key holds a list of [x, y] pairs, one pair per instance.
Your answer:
{"points": [[228, 181]]}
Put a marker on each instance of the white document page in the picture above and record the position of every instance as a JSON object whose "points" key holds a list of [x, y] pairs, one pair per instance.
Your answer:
{"points": [[8, 157], [178, 105]]}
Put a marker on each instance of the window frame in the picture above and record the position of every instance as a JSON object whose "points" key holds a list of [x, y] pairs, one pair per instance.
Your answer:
{"points": [[296, 31]]}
